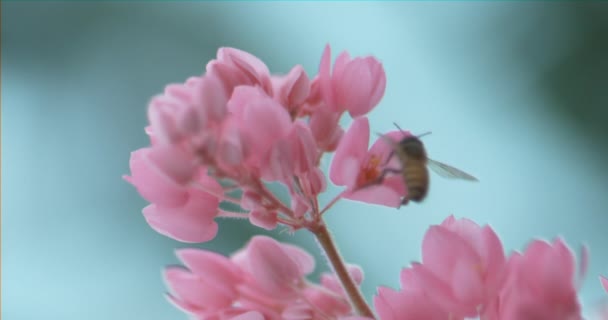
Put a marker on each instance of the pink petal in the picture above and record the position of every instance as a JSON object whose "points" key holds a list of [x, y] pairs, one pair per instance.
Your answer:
{"points": [[161, 114], [340, 66], [241, 97], [326, 301], [293, 89], [278, 164], [189, 288], [253, 67], [299, 205], [353, 88], [467, 286], [316, 181], [325, 127], [440, 291], [174, 162], [387, 303], [231, 147], [265, 121], [297, 311], [214, 267], [273, 269], [442, 249], [377, 194], [386, 143], [251, 200], [325, 83], [378, 80], [353, 148], [331, 282], [229, 76], [212, 99], [303, 259], [604, 282], [408, 305], [152, 183], [251, 315], [263, 219], [192, 222], [304, 148]]}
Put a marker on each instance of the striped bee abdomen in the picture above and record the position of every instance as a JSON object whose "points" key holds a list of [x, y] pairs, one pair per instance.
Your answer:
{"points": [[416, 178]]}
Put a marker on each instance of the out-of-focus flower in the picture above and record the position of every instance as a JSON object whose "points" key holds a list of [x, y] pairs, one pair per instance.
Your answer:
{"points": [[604, 282], [356, 85], [541, 285], [235, 67], [182, 212], [265, 280], [467, 260], [292, 89], [358, 169], [408, 305]]}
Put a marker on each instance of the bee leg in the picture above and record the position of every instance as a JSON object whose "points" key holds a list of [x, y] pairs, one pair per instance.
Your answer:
{"points": [[388, 159], [404, 202], [387, 171]]}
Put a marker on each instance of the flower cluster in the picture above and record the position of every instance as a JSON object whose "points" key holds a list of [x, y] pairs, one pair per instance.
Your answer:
{"points": [[240, 124], [264, 280], [221, 137], [464, 273]]}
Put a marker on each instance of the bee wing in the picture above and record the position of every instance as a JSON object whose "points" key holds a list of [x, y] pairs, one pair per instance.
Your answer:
{"points": [[447, 171]]}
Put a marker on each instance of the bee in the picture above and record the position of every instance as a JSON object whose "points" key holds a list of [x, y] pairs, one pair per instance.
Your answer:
{"points": [[414, 162]]}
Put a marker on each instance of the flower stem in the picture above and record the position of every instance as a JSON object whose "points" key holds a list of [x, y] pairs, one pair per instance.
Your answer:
{"points": [[333, 255], [332, 202]]}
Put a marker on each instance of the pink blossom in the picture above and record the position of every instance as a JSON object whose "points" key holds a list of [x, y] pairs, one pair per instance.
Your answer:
{"points": [[264, 280], [541, 285], [178, 210], [356, 85], [294, 154], [325, 128], [235, 67], [191, 221], [604, 282], [358, 169], [262, 120], [462, 265], [158, 177], [407, 305], [292, 90]]}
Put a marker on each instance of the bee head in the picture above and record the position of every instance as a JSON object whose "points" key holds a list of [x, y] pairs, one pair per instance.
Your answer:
{"points": [[413, 147]]}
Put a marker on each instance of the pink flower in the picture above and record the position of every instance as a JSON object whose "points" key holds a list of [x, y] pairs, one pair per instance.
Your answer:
{"points": [[166, 176], [326, 128], [191, 221], [407, 305], [264, 280], [541, 285], [160, 173], [209, 284], [235, 67], [462, 266], [292, 90], [261, 122], [278, 268], [604, 282], [358, 169], [355, 85]]}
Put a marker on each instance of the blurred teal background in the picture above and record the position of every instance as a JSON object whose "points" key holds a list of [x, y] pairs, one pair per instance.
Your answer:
{"points": [[515, 93]]}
